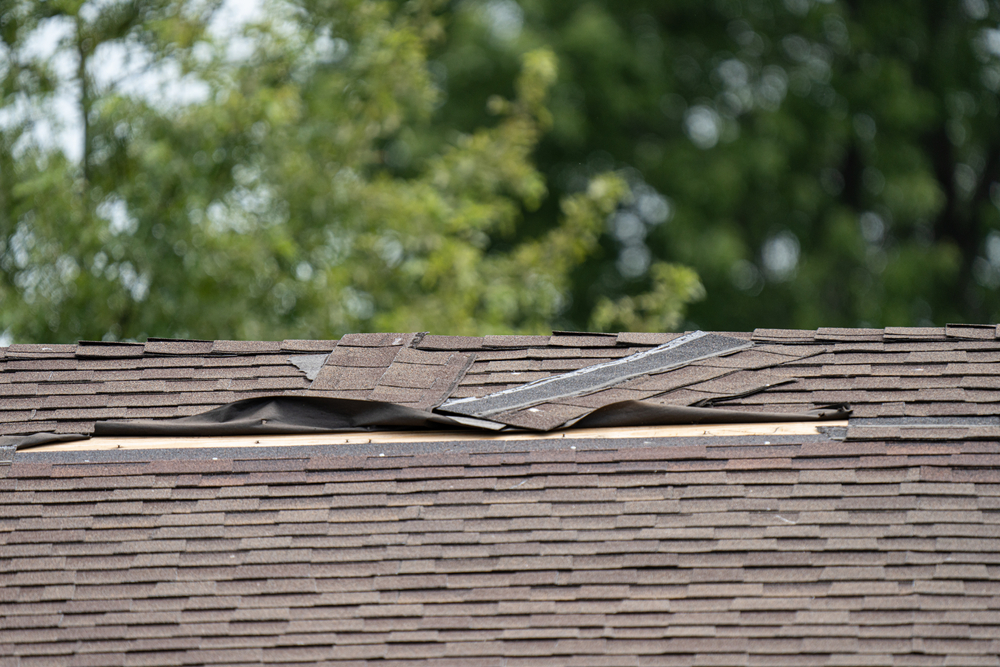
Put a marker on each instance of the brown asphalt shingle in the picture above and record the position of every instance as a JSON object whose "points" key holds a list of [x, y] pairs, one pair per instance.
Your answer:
{"points": [[874, 549], [745, 553]]}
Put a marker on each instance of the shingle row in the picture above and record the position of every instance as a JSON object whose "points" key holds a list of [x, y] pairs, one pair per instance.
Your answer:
{"points": [[890, 373], [791, 552]]}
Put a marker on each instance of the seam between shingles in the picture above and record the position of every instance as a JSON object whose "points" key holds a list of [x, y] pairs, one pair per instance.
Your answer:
{"points": [[470, 358]]}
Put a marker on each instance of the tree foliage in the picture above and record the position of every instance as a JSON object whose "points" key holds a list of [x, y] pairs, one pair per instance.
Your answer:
{"points": [[825, 163], [281, 182], [494, 165]]}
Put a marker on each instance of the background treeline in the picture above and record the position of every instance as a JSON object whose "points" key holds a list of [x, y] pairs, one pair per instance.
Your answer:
{"points": [[495, 166]]}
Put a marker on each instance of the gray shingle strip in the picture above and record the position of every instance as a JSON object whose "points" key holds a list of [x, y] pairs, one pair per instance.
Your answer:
{"points": [[675, 379], [783, 336], [749, 359], [503, 342], [452, 343], [914, 334], [308, 345], [351, 378], [848, 334], [169, 346], [742, 383], [39, 351], [541, 417], [90, 349], [377, 339], [678, 352], [585, 340], [362, 357], [245, 347], [971, 331]]}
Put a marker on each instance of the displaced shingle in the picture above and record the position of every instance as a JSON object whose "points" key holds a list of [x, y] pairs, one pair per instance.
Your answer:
{"points": [[971, 331], [245, 347], [347, 378], [40, 351], [455, 343], [377, 339], [677, 353], [914, 333], [178, 347], [783, 336], [362, 357], [651, 339], [842, 334], [515, 341], [591, 340], [308, 345], [91, 349]]}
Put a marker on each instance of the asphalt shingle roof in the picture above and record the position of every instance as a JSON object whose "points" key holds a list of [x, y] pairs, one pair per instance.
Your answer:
{"points": [[871, 545]]}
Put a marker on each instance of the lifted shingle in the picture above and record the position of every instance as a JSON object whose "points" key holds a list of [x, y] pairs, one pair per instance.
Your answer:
{"points": [[678, 352]]}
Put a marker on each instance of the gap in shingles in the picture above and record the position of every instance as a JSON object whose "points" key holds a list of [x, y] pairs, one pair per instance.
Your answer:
{"points": [[310, 364]]}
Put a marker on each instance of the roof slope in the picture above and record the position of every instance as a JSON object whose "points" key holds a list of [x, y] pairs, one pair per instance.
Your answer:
{"points": [[874, 545], [890, 373], [733, 552]]}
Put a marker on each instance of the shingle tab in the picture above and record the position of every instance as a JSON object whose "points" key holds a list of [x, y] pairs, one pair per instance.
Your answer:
{"points": [[35, 350], [914, 333], [847, 334], [245, 347], [87, 348], [178, 347], [650, 339], [783, 336], [504, 342], [453, 343], [308, 345], [971, 331]]}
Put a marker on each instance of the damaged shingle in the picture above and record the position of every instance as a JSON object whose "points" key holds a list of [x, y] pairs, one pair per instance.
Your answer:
{"points": [[678, 352], [308, 363]]}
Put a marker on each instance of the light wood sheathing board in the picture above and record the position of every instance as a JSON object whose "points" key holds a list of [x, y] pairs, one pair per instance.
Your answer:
{"points": [[359, 438]]}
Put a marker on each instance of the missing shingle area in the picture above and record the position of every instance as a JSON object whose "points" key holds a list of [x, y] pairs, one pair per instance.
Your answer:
{"points": [[310, 364]]}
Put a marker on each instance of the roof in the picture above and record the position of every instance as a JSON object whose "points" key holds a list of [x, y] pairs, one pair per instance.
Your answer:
{"points": [[870, 544]]}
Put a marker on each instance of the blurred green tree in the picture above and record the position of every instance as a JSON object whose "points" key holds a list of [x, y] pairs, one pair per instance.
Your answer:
{"points": [[818, 163], [278, 182]]}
